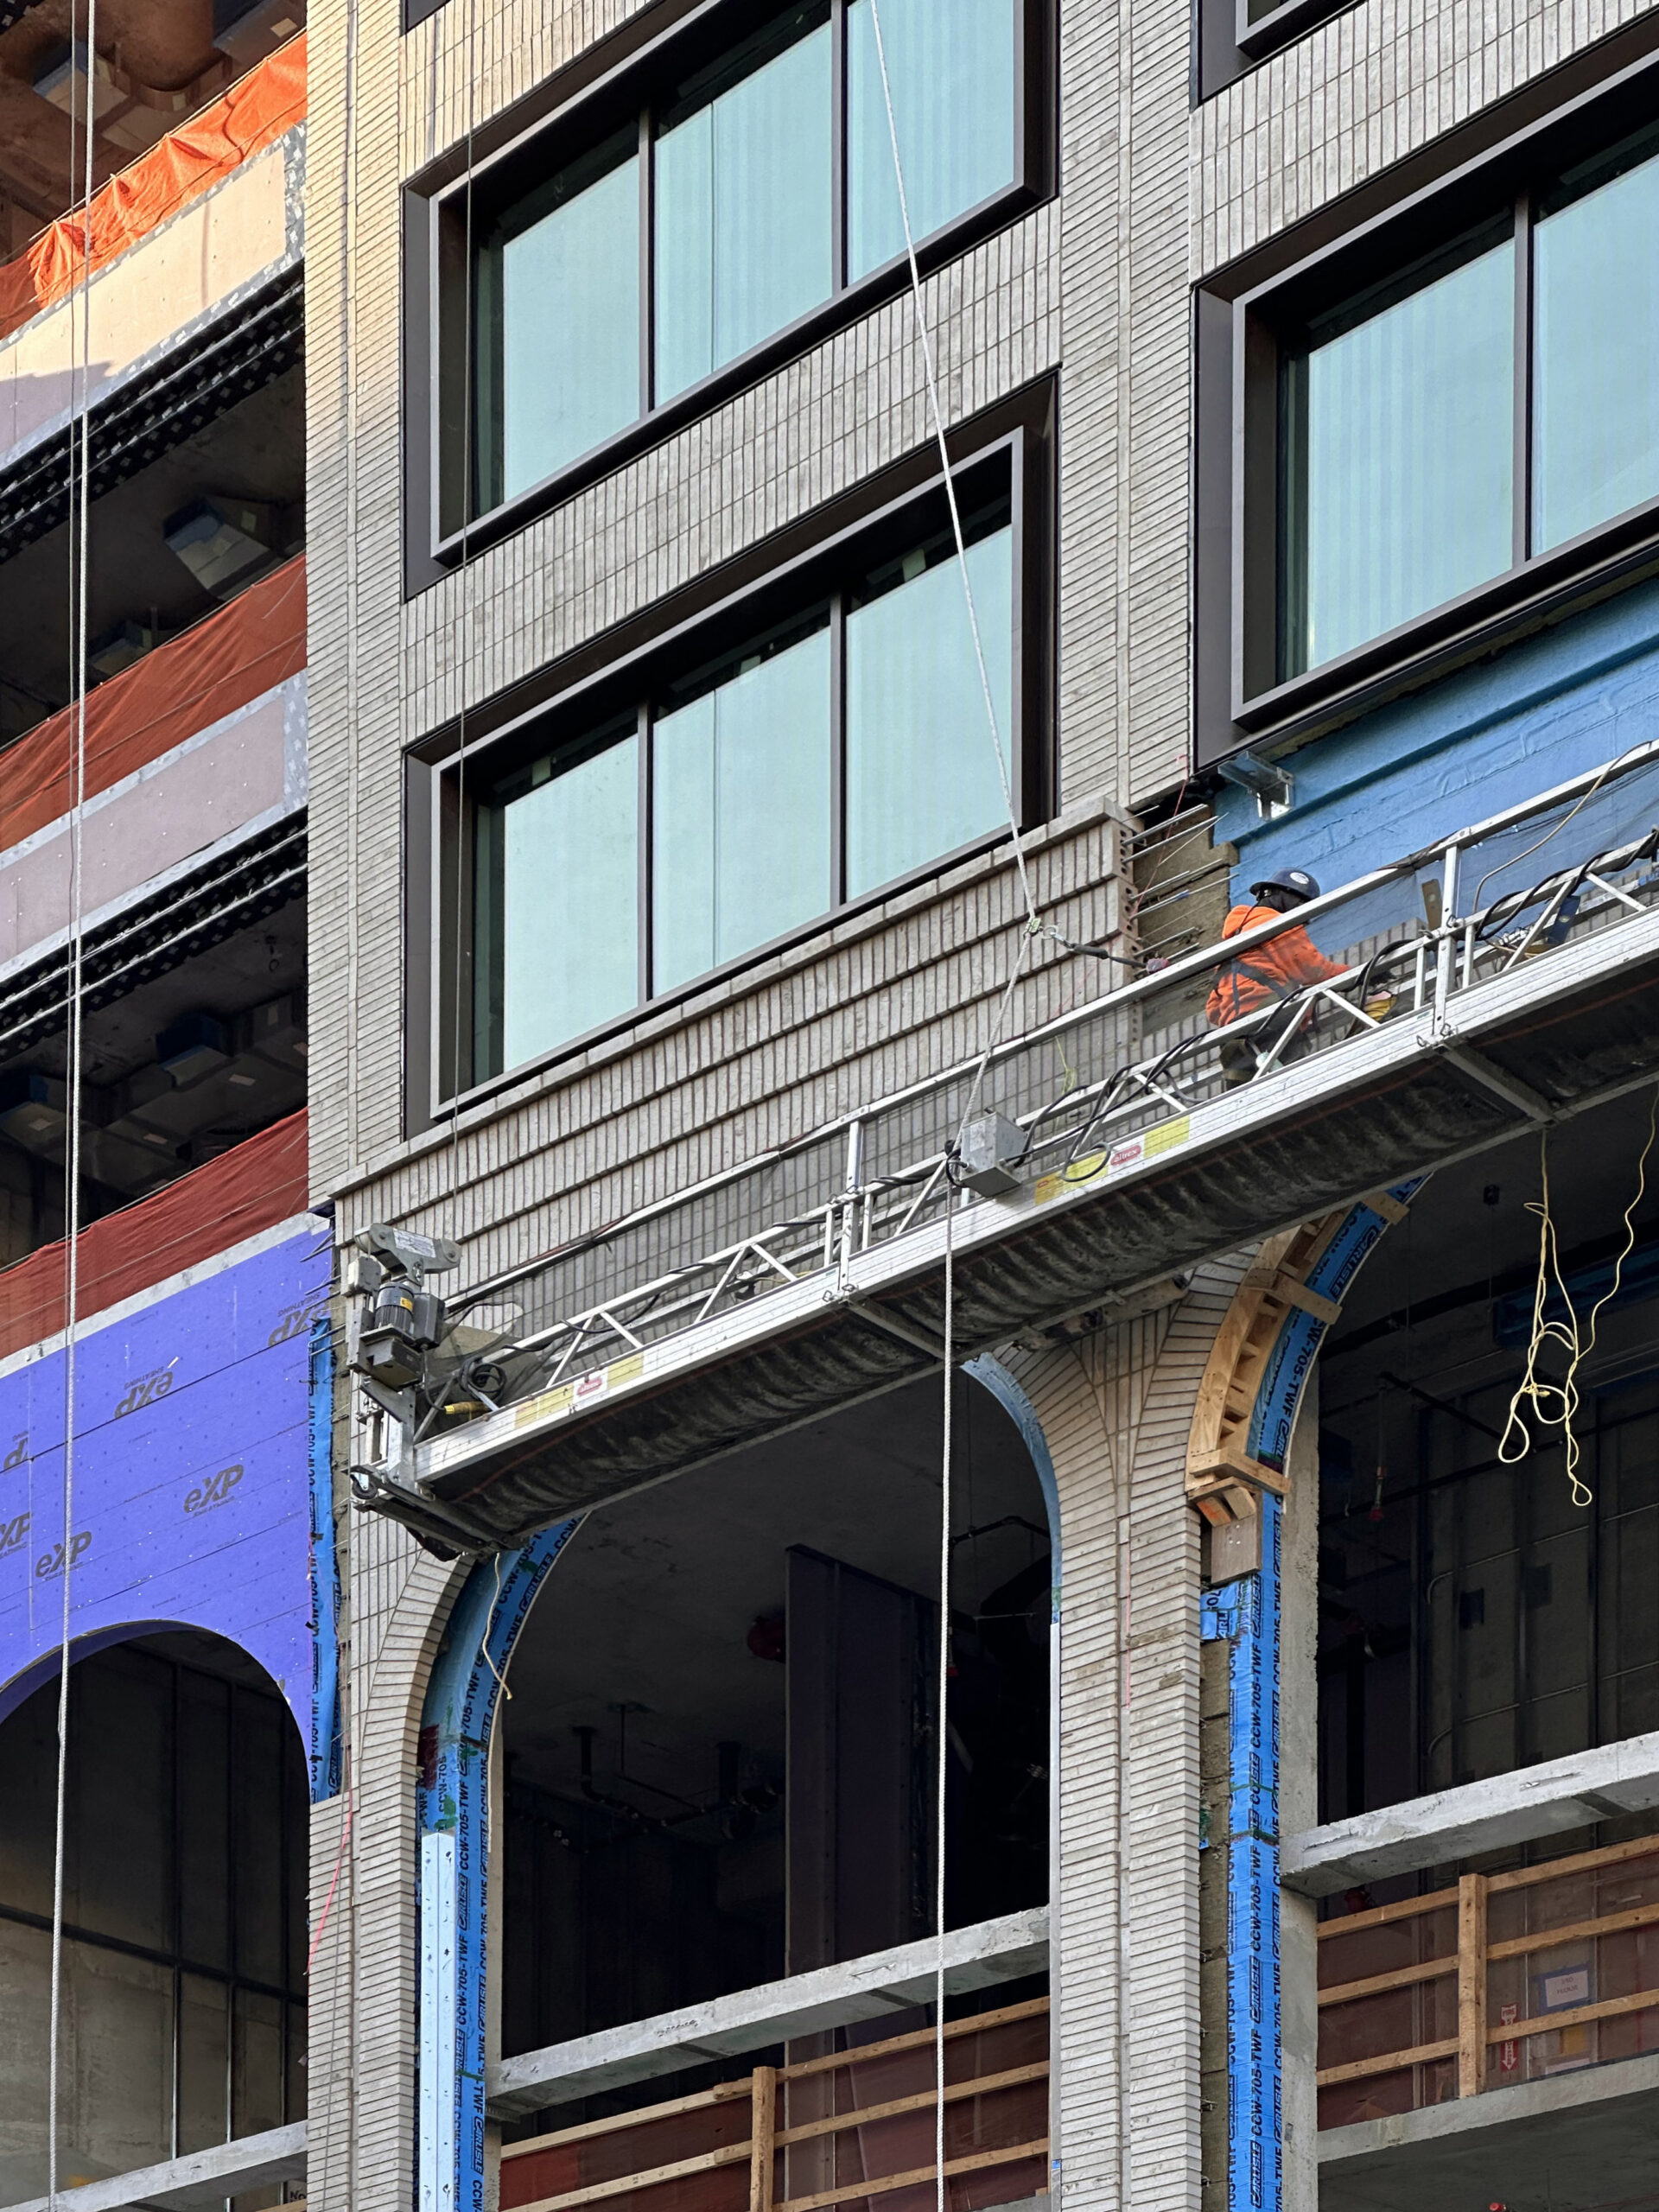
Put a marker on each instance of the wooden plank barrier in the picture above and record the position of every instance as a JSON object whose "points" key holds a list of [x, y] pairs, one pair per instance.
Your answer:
{"points": [[1457, 1928], [746, 2130]]}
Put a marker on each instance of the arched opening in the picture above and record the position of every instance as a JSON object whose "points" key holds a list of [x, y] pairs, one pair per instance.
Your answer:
{"points": [[719, 1771], [183, 2019]]}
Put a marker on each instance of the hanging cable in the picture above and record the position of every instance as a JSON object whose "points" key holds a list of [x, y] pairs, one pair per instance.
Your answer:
{"points": [[1555, 1405], [80, 510], [924, 340], [942, 1729]]}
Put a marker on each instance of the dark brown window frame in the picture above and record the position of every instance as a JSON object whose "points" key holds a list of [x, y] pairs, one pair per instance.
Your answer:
{"points": [[1240, 335], [609, 92], [1228, 45], [1011, 446]]}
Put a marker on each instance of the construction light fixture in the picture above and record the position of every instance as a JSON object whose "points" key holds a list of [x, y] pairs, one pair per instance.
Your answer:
{"points": [[223, 543], [1273, 788]]}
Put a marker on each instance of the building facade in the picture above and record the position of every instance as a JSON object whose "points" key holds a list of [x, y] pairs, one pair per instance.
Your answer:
{"points": [[929, 1532]]}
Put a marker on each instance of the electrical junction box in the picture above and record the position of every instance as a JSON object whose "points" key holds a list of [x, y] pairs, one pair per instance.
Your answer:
{"points": [[990, 1148]]}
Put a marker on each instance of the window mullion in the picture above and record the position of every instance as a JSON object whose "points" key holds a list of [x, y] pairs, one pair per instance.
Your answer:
{"points": [[647, 266], [838, 750], [838, 146], [647, 854], [1523, 464]]}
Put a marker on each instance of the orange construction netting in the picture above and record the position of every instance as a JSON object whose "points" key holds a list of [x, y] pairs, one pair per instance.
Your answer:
{"points": [[253, 1187], [258, 109], [245, 649]]}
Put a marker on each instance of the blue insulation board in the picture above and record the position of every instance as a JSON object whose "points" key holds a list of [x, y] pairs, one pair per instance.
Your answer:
{"points": [[192, 1475], [1460, 750]]}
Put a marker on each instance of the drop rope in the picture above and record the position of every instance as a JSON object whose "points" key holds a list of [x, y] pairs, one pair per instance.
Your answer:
{"points": [[1557, 1404], [924, 340], [79, 509]]}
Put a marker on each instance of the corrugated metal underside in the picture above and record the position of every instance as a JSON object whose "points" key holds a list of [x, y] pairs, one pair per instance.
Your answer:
{"points": [[1327, 1152]]}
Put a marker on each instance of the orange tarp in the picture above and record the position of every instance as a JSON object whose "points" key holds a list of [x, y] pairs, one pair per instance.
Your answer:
{"points": [[259, 1184], [180, 168], [257, 641]]}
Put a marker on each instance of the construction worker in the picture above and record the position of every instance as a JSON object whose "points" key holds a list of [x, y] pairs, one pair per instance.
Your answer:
{"points": [[1269, 975]]}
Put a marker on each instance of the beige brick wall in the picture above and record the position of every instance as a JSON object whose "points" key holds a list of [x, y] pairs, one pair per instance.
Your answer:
{"points": [[1373, 85]]}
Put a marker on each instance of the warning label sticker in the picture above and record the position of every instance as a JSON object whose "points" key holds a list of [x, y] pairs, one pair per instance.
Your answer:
{"points": [[1101, 1166]]}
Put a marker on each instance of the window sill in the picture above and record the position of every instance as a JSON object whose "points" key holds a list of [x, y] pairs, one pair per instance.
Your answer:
{"points": [[1548, 589], [799, 338]]}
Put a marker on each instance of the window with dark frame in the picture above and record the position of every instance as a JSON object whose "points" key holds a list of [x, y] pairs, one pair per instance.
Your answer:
{"points": [[805, 765], [669, 227], [1235, 36], [1450, 435]]}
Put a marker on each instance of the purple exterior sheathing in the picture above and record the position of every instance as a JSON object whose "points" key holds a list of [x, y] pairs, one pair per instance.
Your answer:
{"points": [[192, 1474]]}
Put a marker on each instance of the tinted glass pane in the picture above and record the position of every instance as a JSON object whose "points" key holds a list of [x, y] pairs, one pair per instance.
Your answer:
{"points": [[564, 313], [741, 812], [921, 776], [950, 65], [1400, 471], [568, 894], [1596, 326], [743, 213]]}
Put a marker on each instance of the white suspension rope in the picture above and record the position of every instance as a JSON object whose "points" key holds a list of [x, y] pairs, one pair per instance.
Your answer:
{"points": [[926, 341], [942, 1709], [80, 510]]}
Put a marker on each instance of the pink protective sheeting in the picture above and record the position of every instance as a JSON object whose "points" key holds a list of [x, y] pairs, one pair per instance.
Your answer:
{"points": [[259, 1184]]}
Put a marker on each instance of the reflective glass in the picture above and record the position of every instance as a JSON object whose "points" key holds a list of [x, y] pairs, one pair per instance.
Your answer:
{"points": [[921, 775], [568, 324], [570, 902], [1401, 459], [1596, 342], [951, 67], [740, 809], [743, 217]]}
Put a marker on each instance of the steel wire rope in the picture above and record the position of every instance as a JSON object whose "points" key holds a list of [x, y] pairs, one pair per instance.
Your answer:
{"points": [[1034, 927], [80, 505]]}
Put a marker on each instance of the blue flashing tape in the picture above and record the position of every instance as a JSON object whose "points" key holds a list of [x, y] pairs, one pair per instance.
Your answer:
{"points": [[325, 1750], [1246, 1614], [453, 1811]]}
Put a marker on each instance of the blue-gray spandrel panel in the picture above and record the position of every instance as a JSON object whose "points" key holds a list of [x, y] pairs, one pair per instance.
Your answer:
{"points": [[190, 1477]]}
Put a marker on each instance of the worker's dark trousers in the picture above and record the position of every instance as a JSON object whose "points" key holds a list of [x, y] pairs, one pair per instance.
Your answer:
{"points": [[1241, 1056]]}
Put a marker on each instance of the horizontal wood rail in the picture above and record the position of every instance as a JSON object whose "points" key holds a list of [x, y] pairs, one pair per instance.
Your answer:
{"points": [[761, 2137], [1471, 1963]]}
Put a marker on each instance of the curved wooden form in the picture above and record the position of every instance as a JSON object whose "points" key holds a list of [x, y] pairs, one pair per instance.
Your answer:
{"points": [[1226, 1466]]}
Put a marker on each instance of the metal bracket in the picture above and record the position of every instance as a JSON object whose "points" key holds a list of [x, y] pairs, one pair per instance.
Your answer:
{"points": [[1509, 1088]]}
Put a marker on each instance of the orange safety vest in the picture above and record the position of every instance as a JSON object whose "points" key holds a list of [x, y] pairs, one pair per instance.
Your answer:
{"points": [[1275, 970]]}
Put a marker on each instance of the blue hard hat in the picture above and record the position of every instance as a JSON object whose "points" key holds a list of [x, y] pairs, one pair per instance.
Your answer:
{"points": [[1296, 880]]}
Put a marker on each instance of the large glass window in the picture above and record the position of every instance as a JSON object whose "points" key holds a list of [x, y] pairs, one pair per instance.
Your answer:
{"points": [[1596, 353], [833, 752], [1454, 423], [767, 187], [559, 322], [1400, 451], [951, 67], [744, 231]]}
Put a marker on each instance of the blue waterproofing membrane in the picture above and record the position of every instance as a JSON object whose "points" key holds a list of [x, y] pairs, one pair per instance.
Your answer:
{"points": [[453, 1818], [1461, 751], [1245, 1613], [191, 1490], [324, 1572]]}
